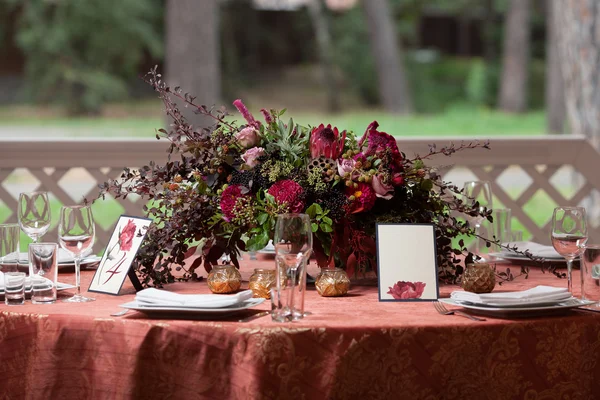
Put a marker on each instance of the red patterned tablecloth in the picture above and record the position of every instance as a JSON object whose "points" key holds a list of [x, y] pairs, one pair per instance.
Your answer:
{"points": [[349, 348]]}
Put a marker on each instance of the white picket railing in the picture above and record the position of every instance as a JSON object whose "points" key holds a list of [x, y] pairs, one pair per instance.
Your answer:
{"points": [[529, 175]]}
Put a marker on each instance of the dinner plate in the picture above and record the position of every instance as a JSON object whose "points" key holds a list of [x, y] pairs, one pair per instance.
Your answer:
{"points": [[85, 262], [59, 286], [154, 309], [521, 311], [514, 256]]}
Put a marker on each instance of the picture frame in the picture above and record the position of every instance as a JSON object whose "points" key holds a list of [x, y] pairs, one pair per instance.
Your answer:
{"points": [[115, 265], [407, 262]]}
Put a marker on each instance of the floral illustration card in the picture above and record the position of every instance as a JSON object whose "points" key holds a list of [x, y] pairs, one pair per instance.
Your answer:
{"points": [[407, 262], [119, 254]]}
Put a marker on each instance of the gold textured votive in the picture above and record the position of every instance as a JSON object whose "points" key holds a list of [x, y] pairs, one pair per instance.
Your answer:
{"points": [[332, 282], [479, 278], [261, 282], [224, 279]]}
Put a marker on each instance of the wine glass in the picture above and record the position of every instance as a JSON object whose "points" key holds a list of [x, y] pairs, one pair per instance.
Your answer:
{"points": [[293, 247], [480, 192], [34, 214], [569, 236], [76, 235]]}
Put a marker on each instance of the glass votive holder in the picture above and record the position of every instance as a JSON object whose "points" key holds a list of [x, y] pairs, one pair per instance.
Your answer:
{"points": [[332, 282], [478, 278], [14, 288], [516, 235], [261, 282], [590, 273], [223, 279]]}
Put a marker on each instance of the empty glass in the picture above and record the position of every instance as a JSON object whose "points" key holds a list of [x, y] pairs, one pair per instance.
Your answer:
{"points": [[14, 288], [293, 246], [481, 193], [34, 214], [9, 247], [501, 226], [569, 236], [76, 233], [43, 270]]}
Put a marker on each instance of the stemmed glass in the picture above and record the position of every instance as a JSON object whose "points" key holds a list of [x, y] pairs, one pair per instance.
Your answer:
{"points": [[293, 247], [569, 236], [76, 233], [34, 214], [481, 192]]}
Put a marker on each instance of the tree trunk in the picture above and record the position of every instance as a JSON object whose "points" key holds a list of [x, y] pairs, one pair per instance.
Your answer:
{"points": [[393, 87], [192, 53], [555, 96], [515, 59], [321, 27], [578, 22]]}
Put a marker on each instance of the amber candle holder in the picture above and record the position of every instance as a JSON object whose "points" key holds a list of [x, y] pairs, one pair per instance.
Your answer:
{"points": [[332, 282], [479, 278], [224, 279], [261, 282]]}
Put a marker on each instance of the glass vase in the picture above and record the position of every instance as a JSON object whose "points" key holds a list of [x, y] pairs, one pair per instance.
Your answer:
{"points": [[261, 282], [224, 279], [332, 282]]}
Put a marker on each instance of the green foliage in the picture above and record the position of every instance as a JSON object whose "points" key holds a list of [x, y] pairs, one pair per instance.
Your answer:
{"points": [[83, 52]]}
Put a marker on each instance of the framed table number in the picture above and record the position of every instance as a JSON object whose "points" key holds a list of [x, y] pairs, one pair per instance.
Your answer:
{"points": [[407, 262], [119, 254]]}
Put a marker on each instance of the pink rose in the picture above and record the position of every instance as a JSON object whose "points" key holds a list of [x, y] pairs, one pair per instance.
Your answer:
{"points": [[248, 137], [345, 167], [383, 190], [251, 156], [407, 290]]}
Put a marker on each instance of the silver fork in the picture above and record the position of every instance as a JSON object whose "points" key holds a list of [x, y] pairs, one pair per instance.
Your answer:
{"points": [[120, 313], [440, 308]]}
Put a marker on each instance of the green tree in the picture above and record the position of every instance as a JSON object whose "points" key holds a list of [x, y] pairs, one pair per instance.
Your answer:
{"points": [[82, 53]]}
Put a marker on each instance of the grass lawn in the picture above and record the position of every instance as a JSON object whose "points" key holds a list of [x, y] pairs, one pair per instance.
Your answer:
{"points": [[141, 120]]}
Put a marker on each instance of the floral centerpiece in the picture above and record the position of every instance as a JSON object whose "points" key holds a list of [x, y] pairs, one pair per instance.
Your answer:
{"points": [[223, 186]]}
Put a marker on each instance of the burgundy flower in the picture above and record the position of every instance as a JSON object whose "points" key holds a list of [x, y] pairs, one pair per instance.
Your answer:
{"points": [[126, 236], [407, 290], [380, 142], [289, 192], [246, 114], [228, 199], [364, 198], [326, 141]]}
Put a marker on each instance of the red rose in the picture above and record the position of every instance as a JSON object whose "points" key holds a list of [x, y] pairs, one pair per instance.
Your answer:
{"points": [[126, 236]]}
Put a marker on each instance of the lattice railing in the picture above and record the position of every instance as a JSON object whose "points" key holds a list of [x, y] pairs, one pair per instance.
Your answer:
{"points": [[529, 175]]}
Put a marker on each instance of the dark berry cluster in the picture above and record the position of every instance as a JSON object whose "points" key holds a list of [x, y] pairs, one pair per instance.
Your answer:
{"points": [[335, 201]]}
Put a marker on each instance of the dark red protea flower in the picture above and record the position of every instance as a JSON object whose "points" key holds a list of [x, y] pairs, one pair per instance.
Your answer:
{"points": [[228, 199], [407, 290], [126, 236], [380, 142], [288, 192], [364, 198], [326, 141]]}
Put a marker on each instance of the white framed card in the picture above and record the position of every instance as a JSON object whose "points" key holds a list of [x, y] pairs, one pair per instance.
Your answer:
{"points": [[119, 254], [407, 262]]}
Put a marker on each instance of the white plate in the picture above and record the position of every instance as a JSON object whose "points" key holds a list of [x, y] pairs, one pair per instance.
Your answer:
{"points": [[520, 257], [518, 311], [155, 309], [87, 261], [59, 287]]}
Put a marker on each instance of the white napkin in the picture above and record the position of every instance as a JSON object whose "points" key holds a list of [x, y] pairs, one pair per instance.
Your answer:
{"points": [[536, 295], [152, 296], [2, 280], [536, 249]]}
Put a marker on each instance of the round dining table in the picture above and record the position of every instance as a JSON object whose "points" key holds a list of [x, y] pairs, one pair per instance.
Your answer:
{"points": [[351, 347]]}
